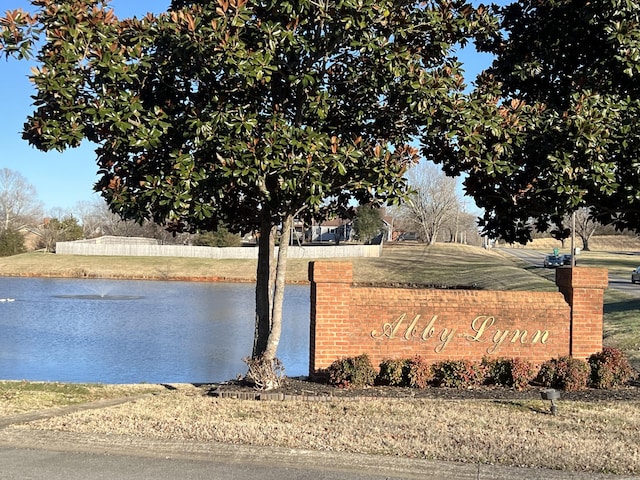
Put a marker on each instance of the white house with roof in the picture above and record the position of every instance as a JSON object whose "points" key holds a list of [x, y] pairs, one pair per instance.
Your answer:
{"points": [[334, 230]]}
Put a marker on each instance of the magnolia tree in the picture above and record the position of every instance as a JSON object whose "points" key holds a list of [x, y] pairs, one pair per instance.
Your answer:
{"points": [[552, 125], [243, 113]]}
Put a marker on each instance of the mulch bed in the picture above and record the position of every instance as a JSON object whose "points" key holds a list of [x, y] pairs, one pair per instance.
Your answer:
{"points": [[303, 389]]}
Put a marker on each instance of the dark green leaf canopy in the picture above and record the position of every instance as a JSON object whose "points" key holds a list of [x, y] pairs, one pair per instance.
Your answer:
{"points": [[238, 111], [553, 124]]}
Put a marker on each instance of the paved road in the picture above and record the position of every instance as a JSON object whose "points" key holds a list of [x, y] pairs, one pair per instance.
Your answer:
{"points": [[47, 455], [536, 259], [532, 257]]}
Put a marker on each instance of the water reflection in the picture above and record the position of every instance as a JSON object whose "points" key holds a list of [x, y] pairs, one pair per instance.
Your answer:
{"points": [[101, 297], [136, 331]]}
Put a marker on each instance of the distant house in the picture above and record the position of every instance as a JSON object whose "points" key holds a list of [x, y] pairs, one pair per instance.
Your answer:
{"points": [[336, 230], [388, 225], [32, 238]]}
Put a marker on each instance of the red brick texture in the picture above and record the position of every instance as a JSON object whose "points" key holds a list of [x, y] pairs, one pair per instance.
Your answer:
{"points": [[583, 289], [348, 320]]}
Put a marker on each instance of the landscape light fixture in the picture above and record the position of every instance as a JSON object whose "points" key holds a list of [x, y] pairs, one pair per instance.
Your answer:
{"points": [[552, 395]]}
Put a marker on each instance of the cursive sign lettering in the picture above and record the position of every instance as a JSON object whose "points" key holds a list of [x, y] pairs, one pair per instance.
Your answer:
{"points": [[429, 330], [479, 326], [482, 331], [445, 338], [391, 329]]}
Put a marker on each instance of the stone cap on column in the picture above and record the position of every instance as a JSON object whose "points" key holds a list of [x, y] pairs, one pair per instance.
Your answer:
{"points": [[331, 272], [582, 277]]}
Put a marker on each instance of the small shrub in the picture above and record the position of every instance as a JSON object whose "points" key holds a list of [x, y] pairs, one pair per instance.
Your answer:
{"points": [[392, 373], [508, 372], [418, 373], [522, 372], [566, 373], [547, 373], [498, 371], [352, 372], [609, 369], [222, 237], [458, 373]]}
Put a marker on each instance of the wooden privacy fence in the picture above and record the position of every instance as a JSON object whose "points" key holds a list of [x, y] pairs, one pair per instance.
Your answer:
{"points": [[436, 324], [126, 248]]}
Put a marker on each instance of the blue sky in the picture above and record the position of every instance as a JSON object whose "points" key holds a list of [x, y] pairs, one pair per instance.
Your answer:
{"points": [[62, 180]]}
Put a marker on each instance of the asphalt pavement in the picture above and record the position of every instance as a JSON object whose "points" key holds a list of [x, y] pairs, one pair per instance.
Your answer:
{"points": [[536, 259], [27, 454]]}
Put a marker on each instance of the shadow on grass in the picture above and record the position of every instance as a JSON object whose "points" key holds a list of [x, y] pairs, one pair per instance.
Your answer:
{"points": [[612, 262], [622, 306], [524, 407]]}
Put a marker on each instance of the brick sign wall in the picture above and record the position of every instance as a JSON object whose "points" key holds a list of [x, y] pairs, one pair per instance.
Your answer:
{"points": [[348, 320]]}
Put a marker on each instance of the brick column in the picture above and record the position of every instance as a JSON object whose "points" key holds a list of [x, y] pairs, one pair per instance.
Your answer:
{"points": [[330, 305], [583, 289]]}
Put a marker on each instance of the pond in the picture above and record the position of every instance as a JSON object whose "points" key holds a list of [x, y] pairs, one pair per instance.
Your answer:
{"points": [[117, 331]]}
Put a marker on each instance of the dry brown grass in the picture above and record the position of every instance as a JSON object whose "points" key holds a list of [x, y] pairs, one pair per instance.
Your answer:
{"points": [[161, 268], [441, 264], [598, 437], [603, 243], [21, 397]]}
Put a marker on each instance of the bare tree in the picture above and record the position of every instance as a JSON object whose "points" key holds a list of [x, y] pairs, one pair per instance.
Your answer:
{"points": [[19, 204], [87, 213], [97, 220], [462, 227], [59, 226], [586, 227], [434, 201]]}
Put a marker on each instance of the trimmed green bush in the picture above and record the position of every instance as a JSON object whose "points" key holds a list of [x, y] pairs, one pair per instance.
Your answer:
{"points": [[393, 373], [498, 371], [352, 372], [414, 373], [508, 372], [566, 373], [609, 369]]}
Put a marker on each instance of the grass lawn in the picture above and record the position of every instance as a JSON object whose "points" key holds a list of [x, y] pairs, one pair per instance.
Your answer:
{"points": [[441, 264], [591, 436], [21, 397], [622, 324]]}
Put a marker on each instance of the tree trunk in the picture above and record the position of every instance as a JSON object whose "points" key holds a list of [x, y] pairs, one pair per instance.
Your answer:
{"points": [[264, 368], [585, 242], [278, 291], [265, 276], [433, 238]]}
